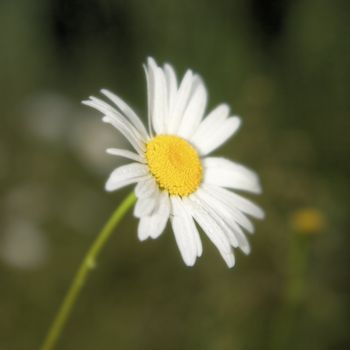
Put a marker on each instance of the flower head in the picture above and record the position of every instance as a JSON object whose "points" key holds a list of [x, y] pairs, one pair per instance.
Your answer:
{"points": [[175, 179]]}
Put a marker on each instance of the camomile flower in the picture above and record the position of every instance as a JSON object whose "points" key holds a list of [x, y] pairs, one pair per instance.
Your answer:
{"points": [[175, 178]]}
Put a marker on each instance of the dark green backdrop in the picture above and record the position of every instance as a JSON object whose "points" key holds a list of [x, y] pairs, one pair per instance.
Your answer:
{"points": [[283, 66]]}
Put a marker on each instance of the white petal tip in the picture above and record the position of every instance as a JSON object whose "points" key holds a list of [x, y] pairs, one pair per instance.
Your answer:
{"points": [[258, 189], [190, 263], [151, 61], [261, 215], [141, 239], [108, 187], [230, 265], [107, 93], [246, 250], [140, 234], [238, 121], [230, 260]]}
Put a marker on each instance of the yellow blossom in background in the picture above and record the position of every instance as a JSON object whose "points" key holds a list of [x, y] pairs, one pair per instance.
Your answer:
{"points": [[308, 221]]}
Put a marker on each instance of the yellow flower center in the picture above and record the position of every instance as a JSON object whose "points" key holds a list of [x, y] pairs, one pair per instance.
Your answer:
{"points": [[175, 164]]}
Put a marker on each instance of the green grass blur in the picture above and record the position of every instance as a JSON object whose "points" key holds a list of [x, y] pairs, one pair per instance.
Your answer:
{"points": [[281, 65]]}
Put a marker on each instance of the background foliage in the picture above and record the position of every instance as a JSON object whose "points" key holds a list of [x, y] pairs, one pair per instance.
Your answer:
{"points": [[283, 66]]}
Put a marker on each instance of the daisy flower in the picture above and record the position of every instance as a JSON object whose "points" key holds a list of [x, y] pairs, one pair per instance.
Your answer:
{"points": [[175, 178]]}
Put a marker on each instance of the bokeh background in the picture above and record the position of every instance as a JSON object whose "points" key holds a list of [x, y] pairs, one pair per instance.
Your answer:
{"points": [[283, 66]]}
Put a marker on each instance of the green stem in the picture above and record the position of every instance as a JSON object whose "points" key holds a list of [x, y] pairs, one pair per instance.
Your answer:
{"points": [[287, 318], [88, 263]]}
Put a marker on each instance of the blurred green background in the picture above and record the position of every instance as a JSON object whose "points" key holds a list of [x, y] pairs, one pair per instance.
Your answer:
{"points": [[283, 66]]}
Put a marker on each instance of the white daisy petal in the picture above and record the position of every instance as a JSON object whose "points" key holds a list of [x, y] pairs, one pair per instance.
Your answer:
{"points": [[146, 188], [198, 240], [184, 231], [194, 111], [138, 146], [226, 173], [158, 96], [212, 230], [162, 213], [120, 123], [108, 110], [150, 83], [218, 136], [216, 215], [180, 103], [145, 206], [125, 154], [152, 226], [193, 229], [171, 83], [234, 233], [228, 212], [144, 227], [128, 112], [237, 201], [243, 242], [211, 122], [161, 107], [126, 175]]}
